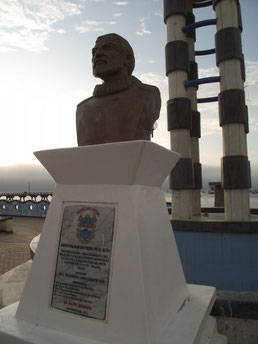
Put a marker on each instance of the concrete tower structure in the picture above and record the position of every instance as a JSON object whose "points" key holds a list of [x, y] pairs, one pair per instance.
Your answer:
{"points": [[183, 115], [232, 110], [179, 108]]}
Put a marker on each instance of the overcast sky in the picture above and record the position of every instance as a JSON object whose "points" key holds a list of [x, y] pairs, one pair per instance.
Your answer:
{"points": [[45, 48]]}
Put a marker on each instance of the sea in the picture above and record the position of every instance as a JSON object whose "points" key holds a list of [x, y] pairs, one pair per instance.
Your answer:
{"points": [[207, 199]]}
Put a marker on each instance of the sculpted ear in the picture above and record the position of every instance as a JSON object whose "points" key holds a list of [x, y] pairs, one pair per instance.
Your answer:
{"points": [[129, 62], [128, 58]]}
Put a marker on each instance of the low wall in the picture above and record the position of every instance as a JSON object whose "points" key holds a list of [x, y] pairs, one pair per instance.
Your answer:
{"points": [[28, 208], [218, 253]]}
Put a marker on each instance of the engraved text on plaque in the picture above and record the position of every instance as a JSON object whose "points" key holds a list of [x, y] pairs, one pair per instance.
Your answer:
{"points": [[83, 263]]}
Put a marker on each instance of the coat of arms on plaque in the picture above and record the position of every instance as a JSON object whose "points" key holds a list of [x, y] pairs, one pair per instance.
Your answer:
{"points": [[86, 223]]}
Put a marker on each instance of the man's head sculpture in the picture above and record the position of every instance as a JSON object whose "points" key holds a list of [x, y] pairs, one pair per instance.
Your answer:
{"points": [[122, 108], [111, 54]]}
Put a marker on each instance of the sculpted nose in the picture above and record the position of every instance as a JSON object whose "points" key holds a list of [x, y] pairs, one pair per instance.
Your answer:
{"points": [[99, 53]]}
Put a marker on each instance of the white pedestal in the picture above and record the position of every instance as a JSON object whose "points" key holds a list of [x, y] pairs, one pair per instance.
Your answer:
{"points": [[147, 299]]}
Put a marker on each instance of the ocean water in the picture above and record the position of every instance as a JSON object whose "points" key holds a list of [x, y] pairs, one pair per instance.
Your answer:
{"points": [[207, 200]]}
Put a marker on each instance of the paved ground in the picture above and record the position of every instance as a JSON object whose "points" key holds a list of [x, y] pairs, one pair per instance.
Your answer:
{"points": [[15, 260], [14, 247]]}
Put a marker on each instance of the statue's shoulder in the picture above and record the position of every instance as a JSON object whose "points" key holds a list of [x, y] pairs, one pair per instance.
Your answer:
{"points": [[153, 99], [151, 89], [85, 102]]}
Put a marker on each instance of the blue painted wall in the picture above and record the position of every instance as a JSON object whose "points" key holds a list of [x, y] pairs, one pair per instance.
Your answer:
{"points": [[228, 261], [28, 208]]}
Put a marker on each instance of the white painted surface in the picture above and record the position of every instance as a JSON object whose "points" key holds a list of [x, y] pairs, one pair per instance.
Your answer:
{"points": [[234, 142], [34, 243], [182, 204], [175, 24], [192, 325], [191, 51], [181, 142], [236, 201], [176, 84], [146, 289], [231, 77], [196, 195], [126, 163], [237, 204], [180, 138], [181, 198], [226, 13], [192, 95], [147, 292], [195, 149]]}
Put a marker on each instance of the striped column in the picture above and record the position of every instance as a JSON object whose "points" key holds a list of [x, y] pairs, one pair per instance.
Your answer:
{"points": [[195, 132], [232, 110], [179, 107]]}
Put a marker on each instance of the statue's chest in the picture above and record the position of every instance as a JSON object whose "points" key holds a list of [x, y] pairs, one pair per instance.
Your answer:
{"points": [[113, 118], [115, 108]]}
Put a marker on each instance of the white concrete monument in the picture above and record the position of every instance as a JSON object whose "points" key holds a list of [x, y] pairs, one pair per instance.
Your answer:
{"points": [[107, 269]]}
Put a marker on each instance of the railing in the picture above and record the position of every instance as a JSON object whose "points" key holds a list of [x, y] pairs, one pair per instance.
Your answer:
{"points": [[44, 196], [28, 204]]}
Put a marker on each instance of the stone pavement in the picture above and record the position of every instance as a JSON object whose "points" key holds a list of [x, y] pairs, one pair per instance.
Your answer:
{"points": [[15, 260], [15, 247]]}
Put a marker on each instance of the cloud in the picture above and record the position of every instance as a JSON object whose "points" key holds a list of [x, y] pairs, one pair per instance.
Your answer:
{"points": [[211, 132], [207, 72], [253, 125], [118, 14], [160, 81], [6, 49], [85, 29], [143, 30], [25, 39], [159, 14], [251, 70], [209, 111], [92, 26], [97, 23], [251, 95], [121, 3], [161, 134], [16, 178], [27, 24]]}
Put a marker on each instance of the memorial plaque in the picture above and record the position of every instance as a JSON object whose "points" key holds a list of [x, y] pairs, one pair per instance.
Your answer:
{"points": [[83, 262]]}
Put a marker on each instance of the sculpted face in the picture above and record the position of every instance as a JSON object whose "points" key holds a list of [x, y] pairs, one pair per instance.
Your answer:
{"points": [[108, 59]]}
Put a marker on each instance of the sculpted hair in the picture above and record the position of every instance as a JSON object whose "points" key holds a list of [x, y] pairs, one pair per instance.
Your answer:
{"points": [[125, 47]]}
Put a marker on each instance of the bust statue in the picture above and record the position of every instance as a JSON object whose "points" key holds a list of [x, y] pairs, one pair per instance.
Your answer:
{"points": [[122, 108]]}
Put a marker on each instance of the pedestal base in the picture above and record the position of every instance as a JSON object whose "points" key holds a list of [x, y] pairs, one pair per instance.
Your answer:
{"points": [[107, 269], [191, 325]]}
